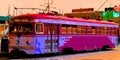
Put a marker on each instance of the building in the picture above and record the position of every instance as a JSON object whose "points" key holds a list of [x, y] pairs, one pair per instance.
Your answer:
{"points": [[88, 13], [4, 18]]}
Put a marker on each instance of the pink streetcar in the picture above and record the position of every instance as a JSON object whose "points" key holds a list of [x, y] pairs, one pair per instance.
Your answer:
{"points": [[42, 34]]}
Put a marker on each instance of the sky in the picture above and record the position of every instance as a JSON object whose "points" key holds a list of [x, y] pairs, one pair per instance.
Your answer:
{"points": [[64, 6]]}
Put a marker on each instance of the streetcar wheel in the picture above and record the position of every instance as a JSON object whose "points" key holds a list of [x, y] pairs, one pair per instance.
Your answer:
{"points": [[105, 47], [17, 53], [67, 51]]}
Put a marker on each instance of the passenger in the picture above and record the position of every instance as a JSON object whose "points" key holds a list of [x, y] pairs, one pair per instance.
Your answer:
{"points": [[21, 29], [15, 29]]}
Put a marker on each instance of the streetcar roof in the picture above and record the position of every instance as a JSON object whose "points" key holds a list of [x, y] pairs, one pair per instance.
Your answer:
{"points": [[46, 16]]}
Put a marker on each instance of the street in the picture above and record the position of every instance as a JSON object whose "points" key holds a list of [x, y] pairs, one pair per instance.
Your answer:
{"points": [[98, 55]]}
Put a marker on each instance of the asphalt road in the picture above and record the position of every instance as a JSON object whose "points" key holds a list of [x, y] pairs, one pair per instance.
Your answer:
{"points": [[98, 55]]}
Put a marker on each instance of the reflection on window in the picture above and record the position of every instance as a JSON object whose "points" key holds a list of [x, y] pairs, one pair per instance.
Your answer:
{"points": [[39, 28]]}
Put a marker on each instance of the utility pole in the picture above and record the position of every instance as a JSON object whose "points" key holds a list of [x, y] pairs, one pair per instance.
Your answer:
{"points": [[48, 2], [48, 5]]}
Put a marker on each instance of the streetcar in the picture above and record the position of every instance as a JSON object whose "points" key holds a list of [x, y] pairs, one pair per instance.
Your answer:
{"points": [[44, 33]]}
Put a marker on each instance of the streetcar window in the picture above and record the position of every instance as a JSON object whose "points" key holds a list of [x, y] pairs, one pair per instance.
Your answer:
{"points": [[79, 29], [113, 31], [83, 29], [108, 30], [40, 28], [21, 28], [93, 30], [74, 29], [102, 30], [69, 29], [64, 29], [98, 30], [105, 31], [89, 29]]}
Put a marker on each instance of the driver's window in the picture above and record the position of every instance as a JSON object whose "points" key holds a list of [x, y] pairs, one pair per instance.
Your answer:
{"points": [[39, 28]]}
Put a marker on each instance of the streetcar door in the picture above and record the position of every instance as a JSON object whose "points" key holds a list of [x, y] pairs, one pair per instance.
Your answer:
{"points": [[52, 37]]}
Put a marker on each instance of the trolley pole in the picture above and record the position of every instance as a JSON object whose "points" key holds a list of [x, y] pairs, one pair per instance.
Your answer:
{"points": [[48, 6]]}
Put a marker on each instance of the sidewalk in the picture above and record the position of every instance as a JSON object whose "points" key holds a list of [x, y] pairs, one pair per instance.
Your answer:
{"points": [[117, 48], [3, 56], [113, 55]]}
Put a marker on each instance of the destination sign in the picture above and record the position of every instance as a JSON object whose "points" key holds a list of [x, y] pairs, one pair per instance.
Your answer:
{"points": [[22, 20]]}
